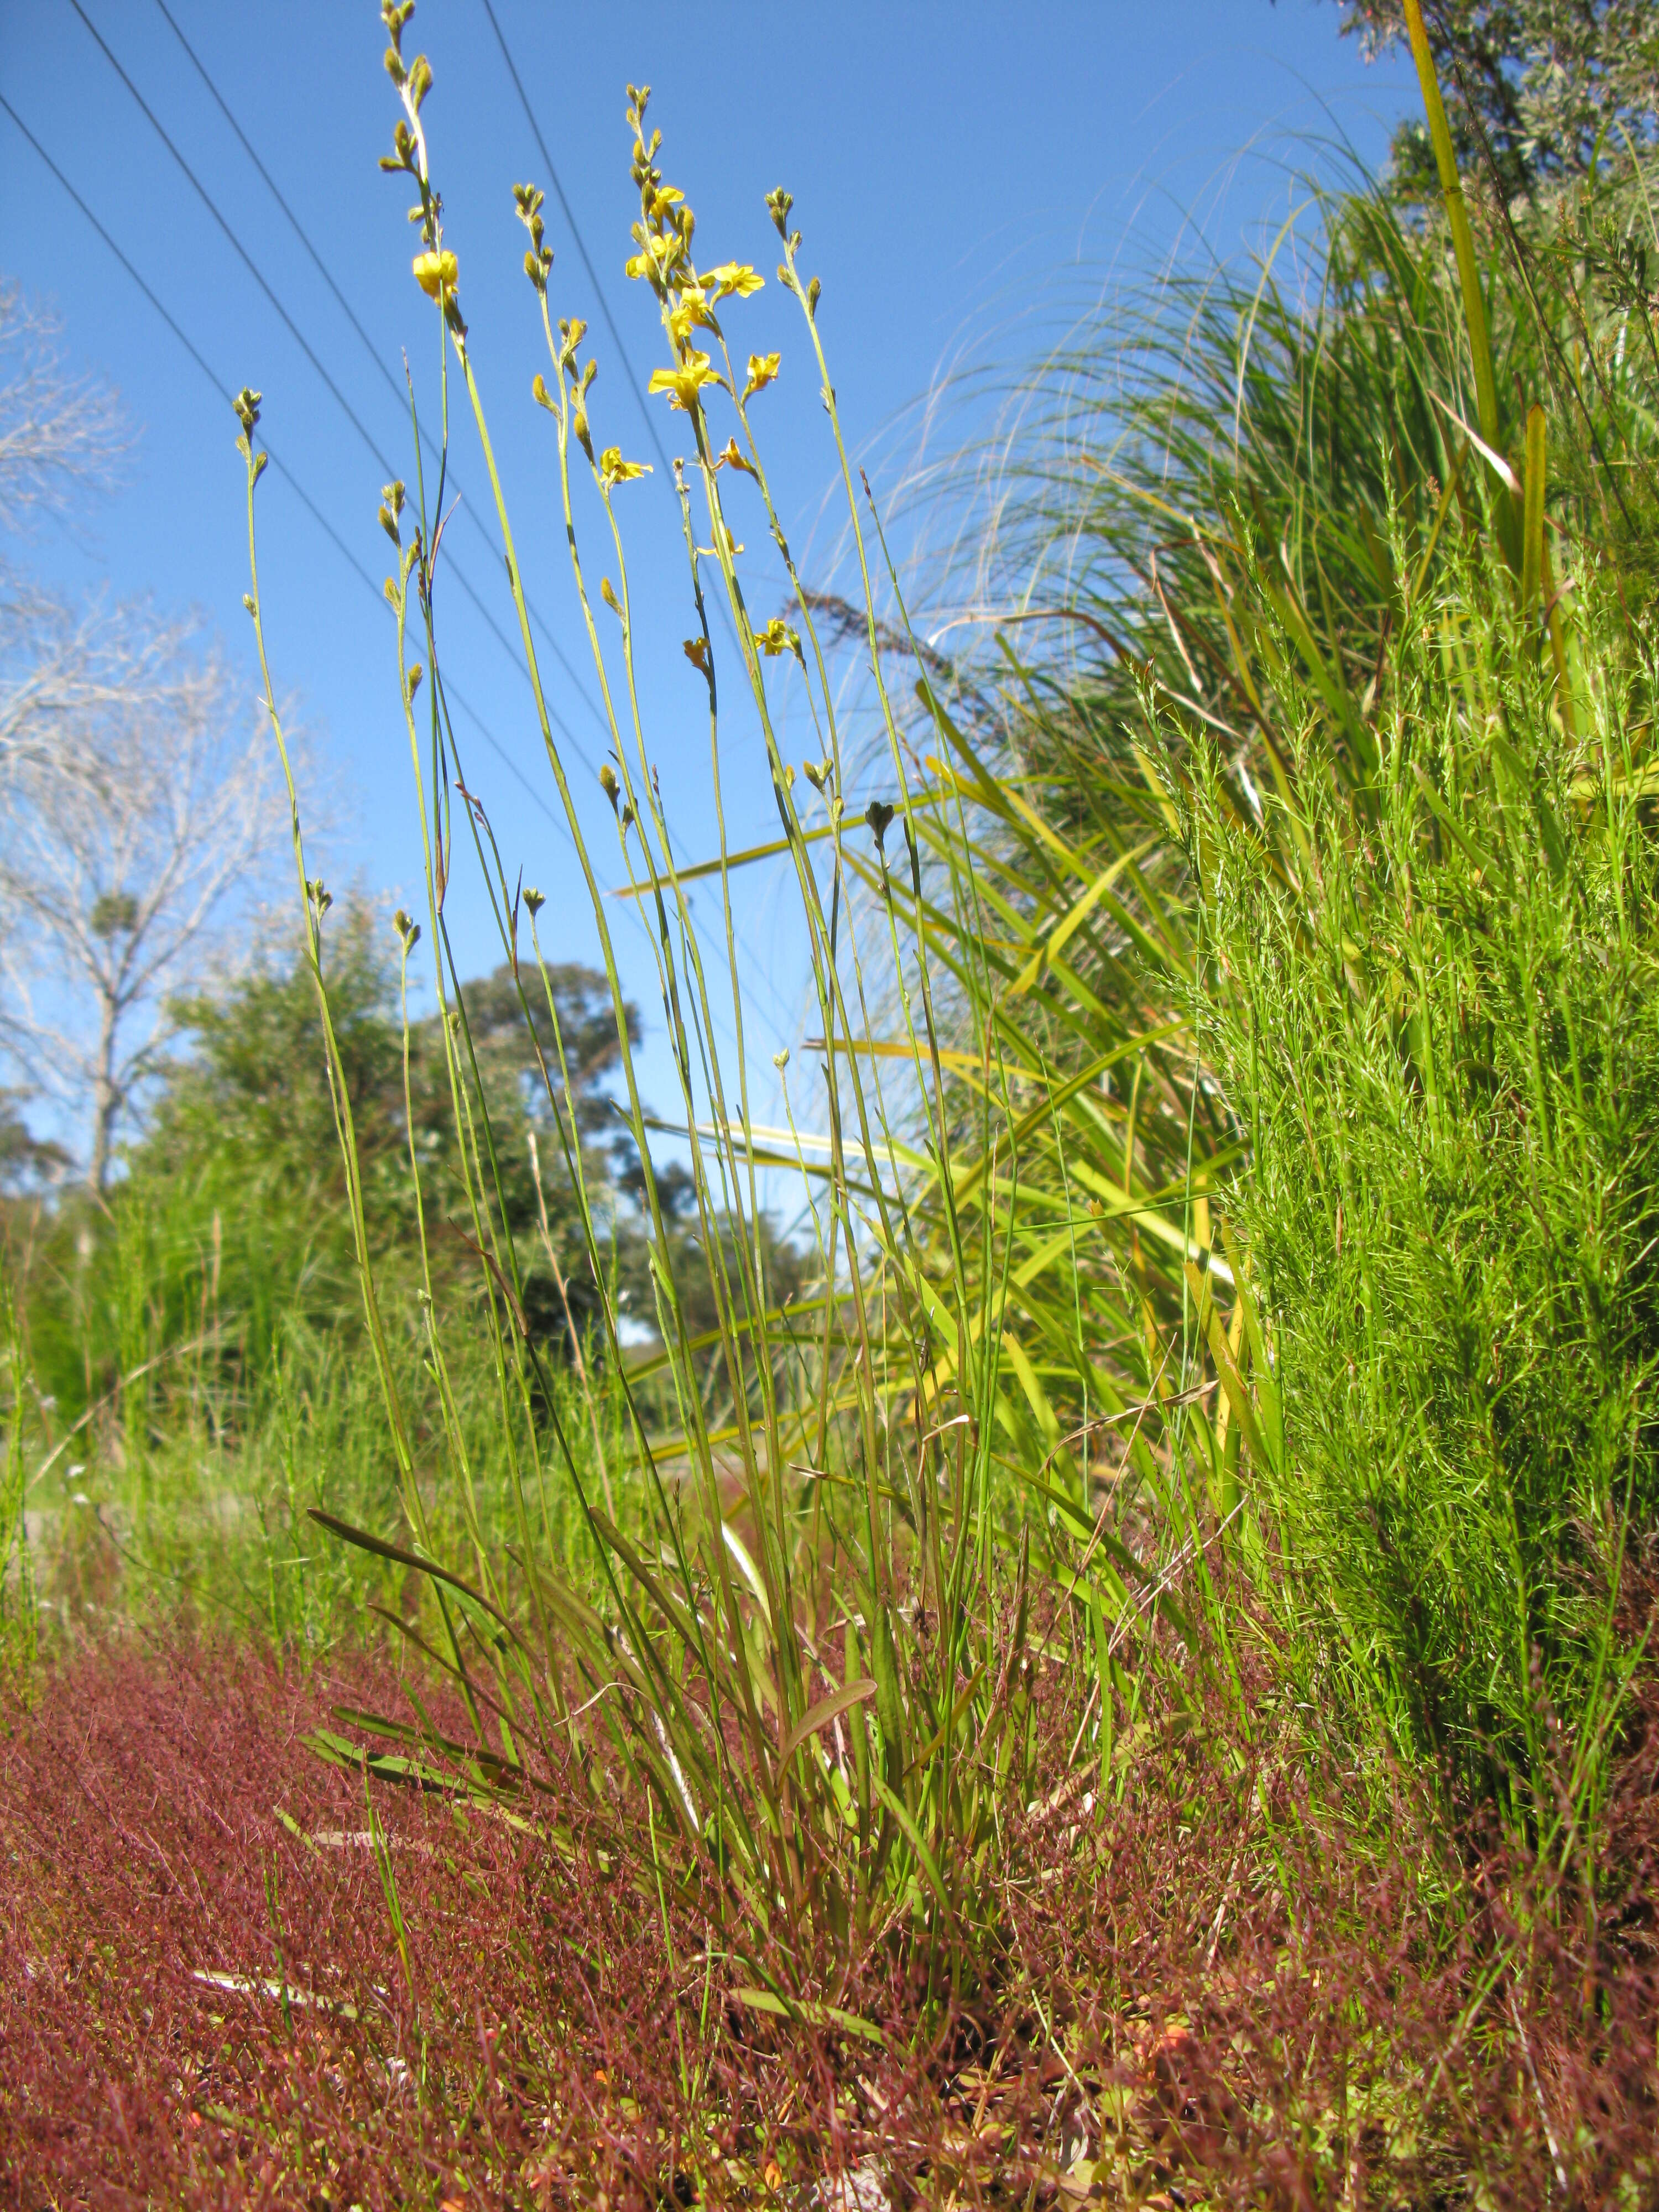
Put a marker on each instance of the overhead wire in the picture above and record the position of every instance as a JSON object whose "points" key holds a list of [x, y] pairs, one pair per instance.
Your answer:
{"points": [[635, 384], [276, 461], [646, 415], [332, 386], [384, 465], [369, 347]]}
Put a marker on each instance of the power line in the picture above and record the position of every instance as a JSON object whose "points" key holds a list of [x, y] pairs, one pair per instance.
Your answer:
{"points": [[373, 352], [299, 490], [385, 466], [293, 328], [240, 251], [649, 420], [633, 383], [646, 415], [271, 186], [276, 462]]}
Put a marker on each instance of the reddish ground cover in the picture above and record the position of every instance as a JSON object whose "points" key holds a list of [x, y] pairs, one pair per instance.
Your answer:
{"points": [[204, 1999]]}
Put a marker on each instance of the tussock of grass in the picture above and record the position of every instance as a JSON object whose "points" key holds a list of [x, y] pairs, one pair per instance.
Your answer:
{"points": [[1143, 1622]]}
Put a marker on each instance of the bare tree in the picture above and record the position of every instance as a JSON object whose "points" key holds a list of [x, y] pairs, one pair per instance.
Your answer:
{"points": [[61, 435], [137, 797]]}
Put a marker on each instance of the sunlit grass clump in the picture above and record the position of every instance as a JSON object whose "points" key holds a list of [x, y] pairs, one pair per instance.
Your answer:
{"points": [[1235, 1197], [1205, 1409], [813, 1653]]}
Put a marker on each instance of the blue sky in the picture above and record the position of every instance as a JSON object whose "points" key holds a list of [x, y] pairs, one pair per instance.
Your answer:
{"points": [[962, 175]]}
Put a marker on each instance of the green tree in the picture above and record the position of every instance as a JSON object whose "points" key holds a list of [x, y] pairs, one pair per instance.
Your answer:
{"points": [[243, 1129], [1538, 91], [230, 1222]]}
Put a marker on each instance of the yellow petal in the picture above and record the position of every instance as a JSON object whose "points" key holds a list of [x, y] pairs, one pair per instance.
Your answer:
{"points": [[683, 384], [437, 275], [686, 317], [734, 280], [763, 368], [615, 470]]}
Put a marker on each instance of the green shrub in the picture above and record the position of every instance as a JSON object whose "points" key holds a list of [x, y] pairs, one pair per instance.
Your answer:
{"points": [[1267, 542], [1433, 1003]]}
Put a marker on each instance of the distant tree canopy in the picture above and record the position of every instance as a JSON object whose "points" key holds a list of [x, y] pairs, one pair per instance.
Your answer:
{"points": [[231, 1208], [1537, 91], [244, 1125], [25, 1161], [138, 788]]}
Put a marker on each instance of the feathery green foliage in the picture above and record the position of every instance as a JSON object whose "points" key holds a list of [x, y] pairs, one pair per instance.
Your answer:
{"points": [[1434, 1008], [1304, 545]]}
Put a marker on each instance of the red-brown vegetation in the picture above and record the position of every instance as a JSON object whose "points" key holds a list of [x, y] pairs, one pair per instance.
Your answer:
{"points": [[1211, 1992]]}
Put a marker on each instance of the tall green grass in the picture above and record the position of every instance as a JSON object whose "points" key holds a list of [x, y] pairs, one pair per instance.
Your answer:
{"points": [[805, 1658], [179, 1495], [1231, 1207], [1310, 550], [1086, 1320]]}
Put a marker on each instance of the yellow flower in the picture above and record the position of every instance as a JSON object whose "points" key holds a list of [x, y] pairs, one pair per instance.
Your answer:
{"points": [[658, 254], [730, 457], [696, 651], [437, 275], [684, 383], [615, 470], [763, 368], [734, 280], [777, 637], [689, 311]]}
